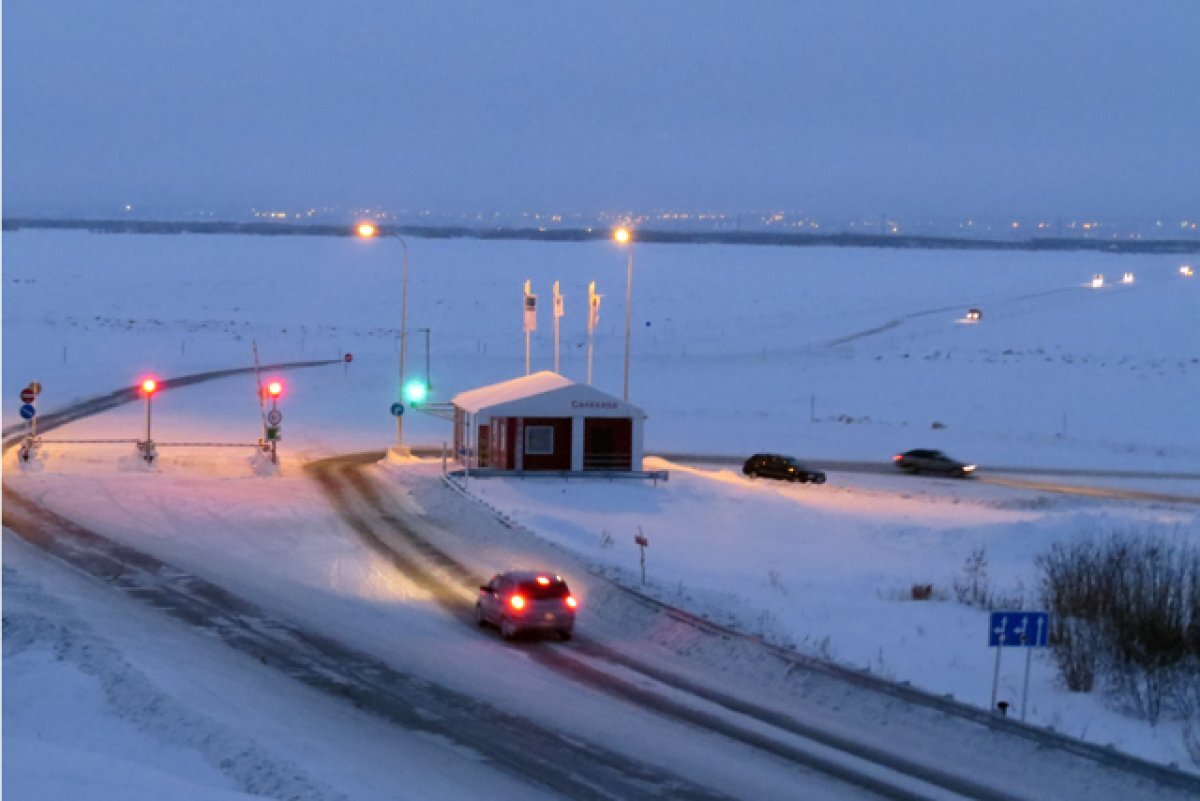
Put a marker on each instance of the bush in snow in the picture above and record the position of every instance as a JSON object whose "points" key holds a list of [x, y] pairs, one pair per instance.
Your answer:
{"points": [[972, 587], [1126, 609]]}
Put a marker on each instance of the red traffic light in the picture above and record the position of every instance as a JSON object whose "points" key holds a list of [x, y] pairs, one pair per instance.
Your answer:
{"points": [[275, 389], [149, 386]]}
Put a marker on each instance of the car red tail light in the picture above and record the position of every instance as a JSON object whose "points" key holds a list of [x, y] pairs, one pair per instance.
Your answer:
{"points": [[897, 458], [571, 602], [516, 602]]}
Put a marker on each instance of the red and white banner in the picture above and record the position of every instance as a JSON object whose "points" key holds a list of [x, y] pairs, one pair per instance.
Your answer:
{"points": [[530, 310], [593, 307]]}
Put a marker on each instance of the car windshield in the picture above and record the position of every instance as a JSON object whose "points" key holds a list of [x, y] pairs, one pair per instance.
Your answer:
{"points": [[544, 592]]}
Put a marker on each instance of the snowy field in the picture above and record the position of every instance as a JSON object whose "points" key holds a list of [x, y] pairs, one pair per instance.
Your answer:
{"points": [[823, 353]]}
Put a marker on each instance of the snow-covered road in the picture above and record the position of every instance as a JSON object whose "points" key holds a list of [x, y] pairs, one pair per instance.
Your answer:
{"points": [[659, 695]]}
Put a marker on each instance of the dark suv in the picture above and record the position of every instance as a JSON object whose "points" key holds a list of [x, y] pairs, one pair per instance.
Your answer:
{"points": [[785, 468], [926, 461]]}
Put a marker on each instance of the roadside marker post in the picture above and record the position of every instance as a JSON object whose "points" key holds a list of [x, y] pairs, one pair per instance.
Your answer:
{"points": [[643, 542]]}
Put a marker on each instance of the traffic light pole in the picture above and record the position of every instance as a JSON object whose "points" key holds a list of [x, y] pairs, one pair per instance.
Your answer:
{"points": [[400, 449]]}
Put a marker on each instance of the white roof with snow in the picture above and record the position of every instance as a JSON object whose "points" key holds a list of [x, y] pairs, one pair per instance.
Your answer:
{"points": [[543, 394]]}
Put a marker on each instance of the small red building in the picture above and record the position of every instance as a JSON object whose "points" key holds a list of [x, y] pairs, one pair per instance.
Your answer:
{"points": [[546, 422]]}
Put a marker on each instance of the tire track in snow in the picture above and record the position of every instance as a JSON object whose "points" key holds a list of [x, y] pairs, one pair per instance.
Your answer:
{"points": [[509, 742], [452, 584]]}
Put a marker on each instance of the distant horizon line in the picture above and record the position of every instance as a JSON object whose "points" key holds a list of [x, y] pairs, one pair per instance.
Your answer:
{"points": [[644, 235]]}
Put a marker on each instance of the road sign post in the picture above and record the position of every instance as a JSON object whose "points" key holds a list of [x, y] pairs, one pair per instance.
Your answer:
{"points": [[28, 411], [29, 397], [1026, 630]]}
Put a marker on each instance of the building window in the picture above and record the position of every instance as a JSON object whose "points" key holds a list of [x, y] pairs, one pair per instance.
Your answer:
{"points": [[539, 440]]}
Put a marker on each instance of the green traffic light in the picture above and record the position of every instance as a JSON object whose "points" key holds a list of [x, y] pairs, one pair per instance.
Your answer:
{"points": [[416, 391]]}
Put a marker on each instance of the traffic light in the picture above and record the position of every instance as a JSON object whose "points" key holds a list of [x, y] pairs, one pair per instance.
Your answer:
{"points": [[275, 389], [416, 391], [149, 386]]}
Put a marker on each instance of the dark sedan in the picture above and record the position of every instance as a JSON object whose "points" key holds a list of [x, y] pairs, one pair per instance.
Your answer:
{"points": [[927, 461], [784, 468]]}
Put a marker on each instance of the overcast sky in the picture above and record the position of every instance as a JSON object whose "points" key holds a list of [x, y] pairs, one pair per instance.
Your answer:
{"points": [[838, 107]]}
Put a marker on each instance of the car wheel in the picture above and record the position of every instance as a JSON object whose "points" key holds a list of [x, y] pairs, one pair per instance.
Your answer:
{"points": [[751, 474], [564, 634], [818, 479], [508, 629], [479, 618]]}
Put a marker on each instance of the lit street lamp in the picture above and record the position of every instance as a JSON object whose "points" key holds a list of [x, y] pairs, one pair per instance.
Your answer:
{"points": [[623, 236], [370, 231], [148, 387]]}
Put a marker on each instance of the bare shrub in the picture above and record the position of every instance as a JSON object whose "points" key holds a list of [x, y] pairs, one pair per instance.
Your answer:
{"points": [[922, 592], [972, 587], [1126, 608]]}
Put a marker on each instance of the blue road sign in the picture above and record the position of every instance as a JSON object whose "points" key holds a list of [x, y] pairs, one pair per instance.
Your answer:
{"points": [[1019, 630], [28, 411], [397, 409]]}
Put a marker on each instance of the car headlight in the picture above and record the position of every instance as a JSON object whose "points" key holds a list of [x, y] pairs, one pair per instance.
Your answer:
{"points": [[968, 468]]}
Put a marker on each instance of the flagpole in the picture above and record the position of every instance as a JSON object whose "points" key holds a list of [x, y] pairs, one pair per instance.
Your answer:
{"points": [[557, 314], [593, 318]]}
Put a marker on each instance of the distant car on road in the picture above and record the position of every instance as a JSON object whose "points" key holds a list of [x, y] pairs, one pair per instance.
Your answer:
{"points": [[1186, 271], [785, 468], [527, 600], [1097, 281], [927, 461], [974, 315]]}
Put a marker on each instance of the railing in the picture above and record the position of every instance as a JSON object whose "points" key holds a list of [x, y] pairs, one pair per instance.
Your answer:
{"points": [[607, 461]]}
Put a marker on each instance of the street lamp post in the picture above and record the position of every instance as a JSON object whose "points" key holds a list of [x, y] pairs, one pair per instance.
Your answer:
{"points": [[428, 380], [370, 231], [623, 236]]}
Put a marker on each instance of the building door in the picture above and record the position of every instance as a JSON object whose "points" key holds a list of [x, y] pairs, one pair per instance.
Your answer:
{"points": [[485, 445], [607, 443]]}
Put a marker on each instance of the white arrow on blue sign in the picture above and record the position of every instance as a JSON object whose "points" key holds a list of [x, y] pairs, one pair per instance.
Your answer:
{"points": [[1019, 630], [397, 409], [28, 411]]}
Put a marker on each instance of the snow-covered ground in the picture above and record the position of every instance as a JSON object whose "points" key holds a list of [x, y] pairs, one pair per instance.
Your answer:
{"points": [[824, 353]]}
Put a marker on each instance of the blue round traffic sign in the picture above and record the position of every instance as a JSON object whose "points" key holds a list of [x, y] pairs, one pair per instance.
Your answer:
{"points": [[28, 411], [397, 409]]}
